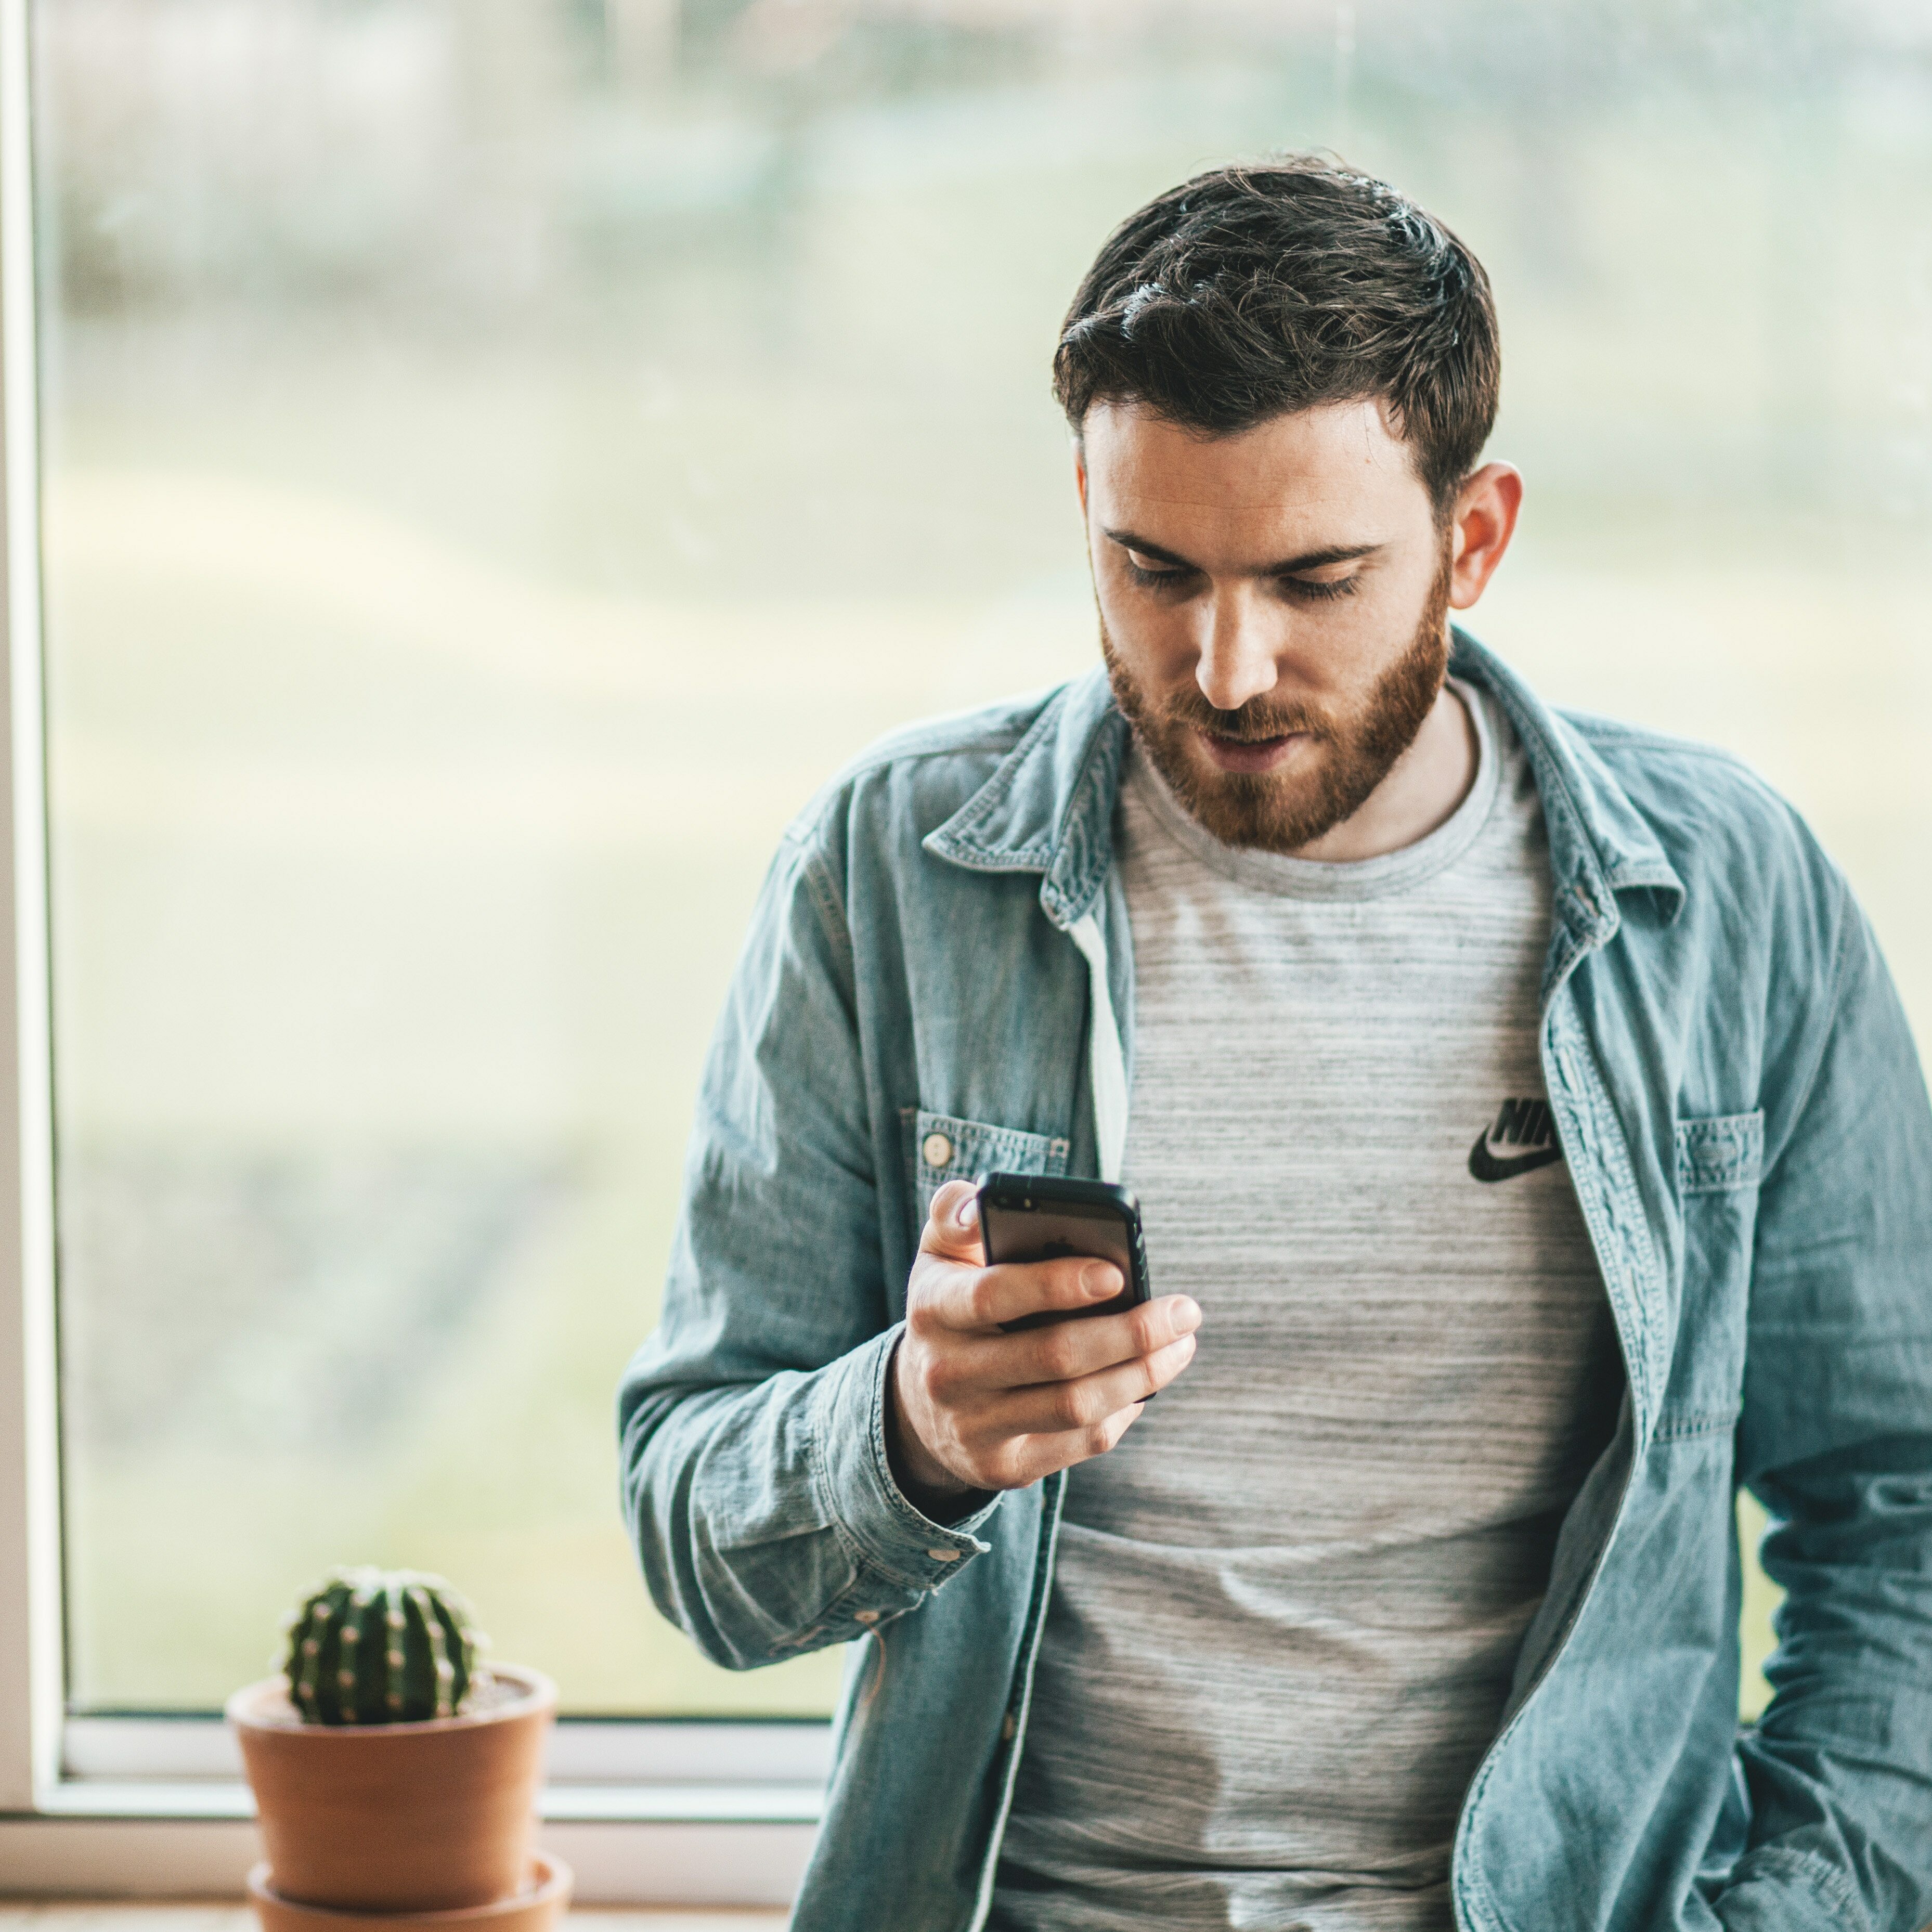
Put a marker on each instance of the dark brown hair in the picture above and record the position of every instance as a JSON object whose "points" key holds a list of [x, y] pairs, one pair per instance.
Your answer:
{"points": [[1252, 291]]}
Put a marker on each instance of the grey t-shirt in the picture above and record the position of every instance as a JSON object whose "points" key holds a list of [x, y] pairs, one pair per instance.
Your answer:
{"points": [[1287, 1606]]}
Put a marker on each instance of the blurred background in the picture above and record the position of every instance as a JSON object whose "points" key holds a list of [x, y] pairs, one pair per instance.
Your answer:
{"points": [[501, 455]]}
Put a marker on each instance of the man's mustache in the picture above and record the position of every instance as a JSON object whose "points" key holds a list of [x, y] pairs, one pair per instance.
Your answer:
{"points": [[1253, 723]]}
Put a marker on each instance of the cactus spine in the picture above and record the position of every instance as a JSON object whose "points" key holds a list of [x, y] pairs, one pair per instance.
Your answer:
{"points": [[382, 1647]]}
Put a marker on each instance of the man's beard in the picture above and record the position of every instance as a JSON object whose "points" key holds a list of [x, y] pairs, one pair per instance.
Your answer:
{"points": [[1352, 755]]}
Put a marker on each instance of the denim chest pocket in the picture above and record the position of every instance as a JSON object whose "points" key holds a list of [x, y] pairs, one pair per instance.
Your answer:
{"points": [[941, 1147], [1719, 1163], [1720, 1153]]}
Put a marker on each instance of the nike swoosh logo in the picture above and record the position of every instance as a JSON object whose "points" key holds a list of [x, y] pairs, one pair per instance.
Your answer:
{"points": [[1485, 1166]]}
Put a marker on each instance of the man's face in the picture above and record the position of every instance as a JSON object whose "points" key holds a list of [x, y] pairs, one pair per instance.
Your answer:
{"points": [[1272, 609]]}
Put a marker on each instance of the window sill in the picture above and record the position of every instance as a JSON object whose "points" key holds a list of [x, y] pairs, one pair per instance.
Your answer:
{"points": [[146, 1915], [618, 1861]]}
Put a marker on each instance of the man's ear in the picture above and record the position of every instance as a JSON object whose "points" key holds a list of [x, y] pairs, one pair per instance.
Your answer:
{"points": [[1484, 521], [1080, 472]]}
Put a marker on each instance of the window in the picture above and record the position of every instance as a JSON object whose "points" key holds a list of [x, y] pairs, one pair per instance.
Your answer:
{"points": [[493, 462]]}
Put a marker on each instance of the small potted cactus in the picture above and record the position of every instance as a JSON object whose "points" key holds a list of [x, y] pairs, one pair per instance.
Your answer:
{"points": [[394, 1772]]}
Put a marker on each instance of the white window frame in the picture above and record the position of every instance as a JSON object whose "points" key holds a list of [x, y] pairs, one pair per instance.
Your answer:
{"points": [[720, 1812]]}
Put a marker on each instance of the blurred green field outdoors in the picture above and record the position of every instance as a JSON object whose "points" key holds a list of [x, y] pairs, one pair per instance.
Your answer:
{"points": [[498, 464]]}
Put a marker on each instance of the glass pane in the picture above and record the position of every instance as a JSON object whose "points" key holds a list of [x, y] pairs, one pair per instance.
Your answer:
{"points": [[500, 457]]}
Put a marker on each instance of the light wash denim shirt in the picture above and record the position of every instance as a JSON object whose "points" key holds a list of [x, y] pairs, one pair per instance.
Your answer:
{"points": [[942, 947]]}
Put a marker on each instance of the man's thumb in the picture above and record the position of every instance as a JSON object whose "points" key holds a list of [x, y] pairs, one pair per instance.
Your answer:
{"points": [[952, 1222]]}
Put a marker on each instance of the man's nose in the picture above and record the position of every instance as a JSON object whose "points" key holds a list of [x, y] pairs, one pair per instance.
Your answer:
{"points": [[1236, 660]]}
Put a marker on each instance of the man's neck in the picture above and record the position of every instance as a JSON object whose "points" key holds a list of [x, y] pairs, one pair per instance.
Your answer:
{"points": [[1422, 790]]}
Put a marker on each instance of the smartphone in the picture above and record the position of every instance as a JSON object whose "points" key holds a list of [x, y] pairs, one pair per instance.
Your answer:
{"points": [[1036, 1217]]}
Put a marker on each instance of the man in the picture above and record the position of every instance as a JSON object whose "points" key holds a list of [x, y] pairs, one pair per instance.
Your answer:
{"points": [[1531, 1147]]}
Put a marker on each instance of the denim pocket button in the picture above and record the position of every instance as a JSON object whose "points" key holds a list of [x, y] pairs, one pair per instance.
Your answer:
{"points": [[937, 1150]]}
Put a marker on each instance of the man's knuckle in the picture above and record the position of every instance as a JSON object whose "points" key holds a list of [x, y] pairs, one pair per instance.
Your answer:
{"points": [[1073, 1406], [982, 1294], [1057, 1348]]}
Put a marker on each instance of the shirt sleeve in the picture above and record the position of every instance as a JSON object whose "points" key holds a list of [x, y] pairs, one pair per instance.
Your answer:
{"points": [[751, 1424], [1836, 1440]]}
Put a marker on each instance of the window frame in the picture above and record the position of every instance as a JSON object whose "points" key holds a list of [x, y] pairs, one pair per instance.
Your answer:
{"points": [[647, 1811]]}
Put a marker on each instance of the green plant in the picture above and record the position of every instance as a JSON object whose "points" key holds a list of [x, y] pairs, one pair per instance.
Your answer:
{"points": [[372, 1646]]}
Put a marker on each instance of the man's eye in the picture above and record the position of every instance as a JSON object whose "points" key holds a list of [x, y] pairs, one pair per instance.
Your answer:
{"points": [[1318, 590], [1155, 575]]}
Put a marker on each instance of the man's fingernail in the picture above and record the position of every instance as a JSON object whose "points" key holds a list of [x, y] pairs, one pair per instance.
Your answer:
{"points": [[968, 1212], [1187, 1313], [1098, 1281]]}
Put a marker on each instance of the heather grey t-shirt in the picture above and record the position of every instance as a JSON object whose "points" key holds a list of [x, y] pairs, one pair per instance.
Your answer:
{"points": [[1287, 1605]]}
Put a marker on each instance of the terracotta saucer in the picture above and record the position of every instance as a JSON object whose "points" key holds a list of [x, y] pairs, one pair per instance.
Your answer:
{"points": [[535, 1906]]}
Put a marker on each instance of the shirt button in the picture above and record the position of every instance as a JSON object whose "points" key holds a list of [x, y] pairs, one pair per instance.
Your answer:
{"points": [[943, 1555], [865, 1616], [937, 1150]]}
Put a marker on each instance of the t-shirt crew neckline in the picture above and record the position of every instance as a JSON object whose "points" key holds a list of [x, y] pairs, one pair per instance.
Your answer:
{"points": [[1289, 877]]}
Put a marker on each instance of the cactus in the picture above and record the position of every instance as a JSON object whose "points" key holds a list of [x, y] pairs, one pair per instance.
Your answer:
{"points": [[381, 1647]]}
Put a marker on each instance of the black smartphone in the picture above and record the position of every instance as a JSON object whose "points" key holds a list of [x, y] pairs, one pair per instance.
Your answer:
{"points": [[1037, 1217]]}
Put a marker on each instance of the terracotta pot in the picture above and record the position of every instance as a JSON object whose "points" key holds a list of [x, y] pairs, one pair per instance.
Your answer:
{"points": [[430, 1817], [535, 1906]]}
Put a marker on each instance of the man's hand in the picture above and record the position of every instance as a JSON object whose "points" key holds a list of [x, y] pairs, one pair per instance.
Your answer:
{"points": [[973, 1409]]}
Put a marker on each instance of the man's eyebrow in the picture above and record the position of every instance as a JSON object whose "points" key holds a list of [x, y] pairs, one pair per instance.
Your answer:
{"points": [[1289, 566]]}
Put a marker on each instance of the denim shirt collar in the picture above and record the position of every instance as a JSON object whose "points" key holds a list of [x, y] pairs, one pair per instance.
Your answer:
{"points": [[1049, 807]]}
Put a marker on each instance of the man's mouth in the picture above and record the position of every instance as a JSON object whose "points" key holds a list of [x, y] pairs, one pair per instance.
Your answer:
{"points": [[1253, 754]]}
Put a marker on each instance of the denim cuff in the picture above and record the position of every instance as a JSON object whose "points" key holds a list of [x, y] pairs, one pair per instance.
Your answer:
{"points": [[860, 1493]]}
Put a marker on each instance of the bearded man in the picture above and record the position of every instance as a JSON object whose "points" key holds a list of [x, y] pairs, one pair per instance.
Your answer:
{"points": [[1532, 1150]]}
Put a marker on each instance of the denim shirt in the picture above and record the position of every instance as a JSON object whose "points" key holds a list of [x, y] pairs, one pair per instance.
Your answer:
{"points": [[942, 947]]}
